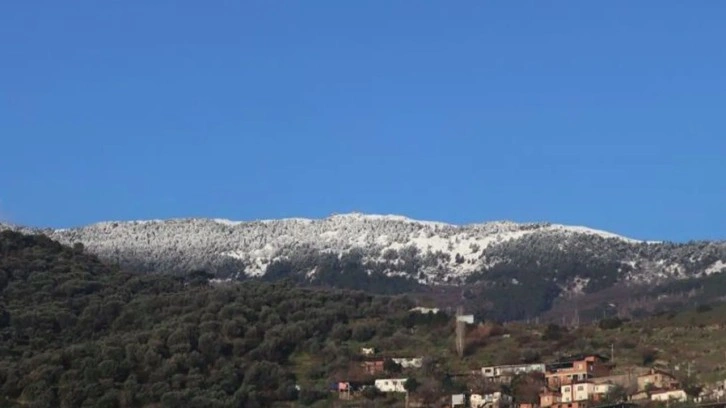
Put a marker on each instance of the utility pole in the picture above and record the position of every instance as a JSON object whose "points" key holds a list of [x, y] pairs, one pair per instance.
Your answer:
{"points": [[460, 329], [576, 319]]}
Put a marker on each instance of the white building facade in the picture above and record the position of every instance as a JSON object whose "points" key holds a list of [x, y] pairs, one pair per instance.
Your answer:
{"points": [[391, 384], [416, 362]]}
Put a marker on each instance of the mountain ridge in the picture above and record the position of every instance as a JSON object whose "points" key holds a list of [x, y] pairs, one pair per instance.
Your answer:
{"points": [[393, 254], [352, 215]]}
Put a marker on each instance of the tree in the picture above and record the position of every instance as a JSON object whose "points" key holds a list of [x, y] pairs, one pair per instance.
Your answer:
{"points": [[691, 387], [648, 355], [553, 332], [391, 366], [411, 385], [525, 388], [610, 323], [615, 395], [371, 393]]}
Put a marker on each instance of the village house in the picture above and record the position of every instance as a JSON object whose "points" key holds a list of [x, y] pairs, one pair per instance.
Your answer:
{"points": [[349, 389], [629, 380], [465, 318], [416, 362], [458, 400], [373, 367], [576, 369], [657, 379], [713, 392], [425, 310], [584, 391], [504, 373], [548, 398], [391, 384], [492, 400], [368, 351], [669, 395]]}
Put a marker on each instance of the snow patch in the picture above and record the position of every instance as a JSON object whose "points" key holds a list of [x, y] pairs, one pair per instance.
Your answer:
{"points": [[716, 267]]}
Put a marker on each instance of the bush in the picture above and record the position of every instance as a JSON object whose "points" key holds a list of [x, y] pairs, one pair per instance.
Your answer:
{"points": [[648, 356], [553, 332], [610, 323], [704, 308]]}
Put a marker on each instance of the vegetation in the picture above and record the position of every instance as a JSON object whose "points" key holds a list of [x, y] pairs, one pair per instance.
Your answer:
{"points": [[78, 332]]}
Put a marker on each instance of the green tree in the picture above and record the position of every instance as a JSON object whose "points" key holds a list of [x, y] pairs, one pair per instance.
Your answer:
{"points": [[411, 385]]}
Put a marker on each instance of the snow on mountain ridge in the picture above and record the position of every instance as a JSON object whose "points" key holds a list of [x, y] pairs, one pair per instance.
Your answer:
{"points": [[459, 249], [361, 217], [429, 252]]}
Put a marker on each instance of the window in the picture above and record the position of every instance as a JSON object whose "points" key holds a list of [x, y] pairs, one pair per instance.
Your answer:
{"points": [[580, 388]]}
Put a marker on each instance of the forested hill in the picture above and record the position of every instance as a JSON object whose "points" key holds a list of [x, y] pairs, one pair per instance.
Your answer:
{"points": [[502, 270], [76, 332]]}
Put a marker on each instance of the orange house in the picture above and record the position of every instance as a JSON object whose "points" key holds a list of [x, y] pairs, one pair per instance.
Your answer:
{"points": [[373, 367], [578, 369], [549, 398]]}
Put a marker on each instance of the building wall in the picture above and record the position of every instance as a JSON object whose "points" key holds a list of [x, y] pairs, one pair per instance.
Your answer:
{"points": [[425, 309], [627, 381], [548, 399], [409, 362], [584, 369], [496, 399], [658, 379], [373, 367], [584, 392], [678, 395], [391, 385], [465, 318], [496, 371]]}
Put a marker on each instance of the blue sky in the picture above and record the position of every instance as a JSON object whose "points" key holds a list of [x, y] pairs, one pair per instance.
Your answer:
{"points": [[610, 115]]}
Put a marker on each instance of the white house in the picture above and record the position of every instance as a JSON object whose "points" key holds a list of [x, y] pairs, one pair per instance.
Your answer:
{"points": [[495, 399], [465, 318], [425, 310], [391, 384], [457, 400], [712, 392], [416, 362], [511, 370], [583, 391], [367, 351], [669, 395]]}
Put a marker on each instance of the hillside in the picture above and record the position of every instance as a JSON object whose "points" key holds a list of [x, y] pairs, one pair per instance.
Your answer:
{"points": [[78, 332], [496, 263]]}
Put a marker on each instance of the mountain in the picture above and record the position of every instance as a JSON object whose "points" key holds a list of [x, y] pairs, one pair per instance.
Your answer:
{"points": [[523, 268], [78, 332]]}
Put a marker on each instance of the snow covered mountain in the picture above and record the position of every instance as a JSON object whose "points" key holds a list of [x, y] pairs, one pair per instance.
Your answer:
{"points": [[385, 251]]}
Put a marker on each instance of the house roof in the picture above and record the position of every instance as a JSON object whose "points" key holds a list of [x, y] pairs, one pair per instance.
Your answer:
{"points": [[654, 371], [582, 356]]}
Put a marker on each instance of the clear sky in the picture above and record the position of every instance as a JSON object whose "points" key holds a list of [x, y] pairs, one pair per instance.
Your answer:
{"points": [[606, 114]]}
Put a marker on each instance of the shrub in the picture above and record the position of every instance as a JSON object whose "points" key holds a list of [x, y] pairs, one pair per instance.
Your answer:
{"points": [[610, 323]]}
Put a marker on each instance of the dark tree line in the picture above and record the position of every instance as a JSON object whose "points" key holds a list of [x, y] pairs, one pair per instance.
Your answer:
{"points": [[79, 333]]}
